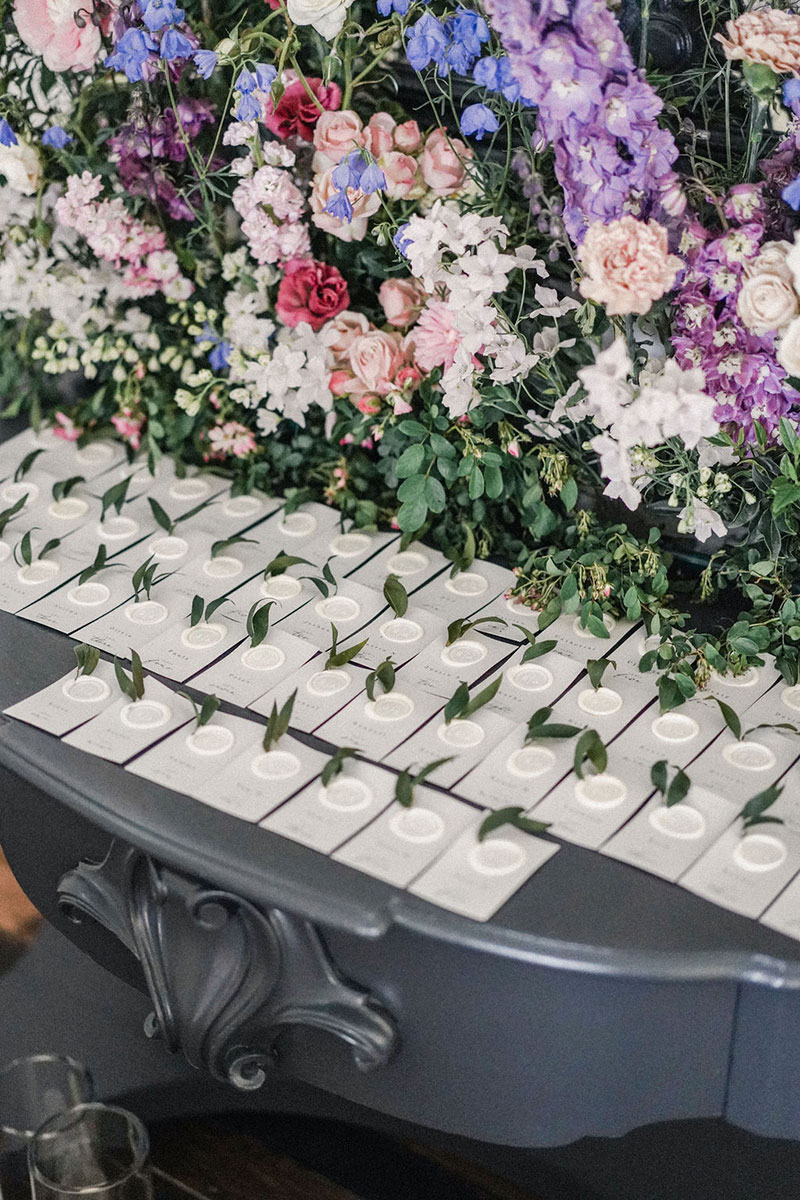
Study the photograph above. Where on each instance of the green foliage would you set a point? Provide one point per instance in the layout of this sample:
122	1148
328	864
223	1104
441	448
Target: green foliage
510	816
278	722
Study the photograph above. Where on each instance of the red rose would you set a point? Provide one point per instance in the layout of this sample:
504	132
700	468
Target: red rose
312	292
296	113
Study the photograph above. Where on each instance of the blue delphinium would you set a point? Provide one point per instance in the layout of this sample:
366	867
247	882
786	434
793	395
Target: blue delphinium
477	120
426	42
248	108
132	51
175	44
159	13
206	63
220	356
56	137
7	135
387	7
791	95
452	44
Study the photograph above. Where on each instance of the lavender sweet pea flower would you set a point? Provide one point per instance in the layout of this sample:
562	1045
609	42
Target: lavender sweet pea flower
339	206
159	13
373	179
427	42
246	82
220	356
206	63
349	172
791	194
132	52
248	108
791	95
477	120
7	135
266	75
175	44
56	137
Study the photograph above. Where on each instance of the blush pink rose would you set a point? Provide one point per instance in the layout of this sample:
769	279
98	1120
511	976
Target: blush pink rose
766	36
324	189
310	292
400	172
336	134
435	338
379	139
375	359
407	137
442	163
49	29
341	332
627	265
401	300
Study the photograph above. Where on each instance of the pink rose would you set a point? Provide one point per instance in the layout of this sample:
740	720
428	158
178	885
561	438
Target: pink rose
342	331
379	132
50	30
376	358
339	382
324	189
310	292
442	163
401	300
296	114
407	137
766	36
435	338
336	134
627	265
400	171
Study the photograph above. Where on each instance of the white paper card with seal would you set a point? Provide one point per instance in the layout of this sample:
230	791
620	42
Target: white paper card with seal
130	726
322	818
68	702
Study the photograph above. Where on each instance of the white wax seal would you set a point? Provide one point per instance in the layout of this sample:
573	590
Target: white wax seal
13	492
242	506
224	566
41	571
70	508
599	702
86	689
298	524
168	548
530	761
790	696
747	679
466	652
463	734
146	612
95	454
417	824
114	529
467	583
189	489
263	658
89	595
210	739
749	756
350	545
394	706
346	795
338	608
760	852
600	791
530	677
276	764
328	683
407	562
496	856
680	821
203	636
281	587
519	610
675	727
5	551
608	621
402	630
145	714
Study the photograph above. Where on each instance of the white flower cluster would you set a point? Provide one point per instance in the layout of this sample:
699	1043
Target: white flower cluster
668	404
285	381
460	258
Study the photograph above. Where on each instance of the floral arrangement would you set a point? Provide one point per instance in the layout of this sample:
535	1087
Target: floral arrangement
478	271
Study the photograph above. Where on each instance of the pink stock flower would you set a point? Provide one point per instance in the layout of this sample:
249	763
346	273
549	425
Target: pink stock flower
129	427
50	29
435	337
231	438
627	265
66	428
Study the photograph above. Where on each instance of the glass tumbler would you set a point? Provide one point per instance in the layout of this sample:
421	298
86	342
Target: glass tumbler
93	1151
33	1089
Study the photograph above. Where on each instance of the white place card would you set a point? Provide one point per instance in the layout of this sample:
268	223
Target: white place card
76	604
248	672
402	842
516	772
466	740
184	761
185	649
743	768
413	566
535	684
320	693
666	841
257	781
476	878
779	705
740	691
67	703
350	549
349	608
678	735
322	818
464	594
784	914
398	638
21	584
439	668
609	708
229	515
135	624
129	726
305	525
744	872
376	727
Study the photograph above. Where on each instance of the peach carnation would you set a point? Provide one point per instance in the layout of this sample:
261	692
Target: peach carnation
768	37
627	265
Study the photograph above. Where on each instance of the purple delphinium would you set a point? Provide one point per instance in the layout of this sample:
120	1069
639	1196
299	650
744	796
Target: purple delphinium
477	120
571	61
145	147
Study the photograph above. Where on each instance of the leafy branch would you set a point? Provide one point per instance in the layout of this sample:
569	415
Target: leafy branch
407	781
460	706
673	790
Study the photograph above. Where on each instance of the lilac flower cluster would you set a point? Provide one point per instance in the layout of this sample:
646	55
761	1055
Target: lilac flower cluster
137	48
571	60
358	171
742	373
145	145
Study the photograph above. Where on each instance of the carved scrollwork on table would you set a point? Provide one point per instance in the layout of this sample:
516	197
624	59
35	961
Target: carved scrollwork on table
225	976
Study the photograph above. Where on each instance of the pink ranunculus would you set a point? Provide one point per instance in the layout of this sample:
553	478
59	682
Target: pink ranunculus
435	338
442	163
324	189
375	359
340	333
400	172
295	114
66	428
407	137
401	300
627	265
336	134
310	292
378	134
49	28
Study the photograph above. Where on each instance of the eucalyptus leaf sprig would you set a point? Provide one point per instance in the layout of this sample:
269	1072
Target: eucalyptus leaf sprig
204	711
87	657
515	816
258	621
535	649
131	685
407	780
754	811
278	722
115	496
460	706
62	487
395	595
673	790
145	577
23	551
8	514
335	764
384	674
461	626
202	612
340	658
